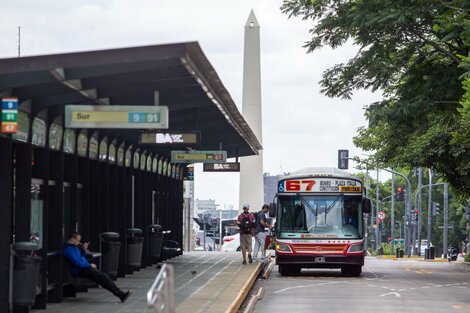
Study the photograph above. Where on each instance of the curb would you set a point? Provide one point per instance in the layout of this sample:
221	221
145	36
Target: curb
235	305
251	305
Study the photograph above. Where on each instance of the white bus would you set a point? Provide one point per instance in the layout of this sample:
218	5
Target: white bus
319	221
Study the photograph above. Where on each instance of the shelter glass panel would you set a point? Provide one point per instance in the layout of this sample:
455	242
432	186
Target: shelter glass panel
93	149
55	136
103	151
22	133
128	157
165	168
37	209
82	145
120	156
135	161
160	166
112	154
149	163
155	164
143	161
39	132
69	141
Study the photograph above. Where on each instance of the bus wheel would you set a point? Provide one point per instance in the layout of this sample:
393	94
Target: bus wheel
295	270
284	270
351	270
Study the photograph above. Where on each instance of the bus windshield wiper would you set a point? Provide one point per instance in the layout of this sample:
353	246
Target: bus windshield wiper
328	209
305	202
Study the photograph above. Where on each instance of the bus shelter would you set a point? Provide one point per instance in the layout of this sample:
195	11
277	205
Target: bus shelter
55	179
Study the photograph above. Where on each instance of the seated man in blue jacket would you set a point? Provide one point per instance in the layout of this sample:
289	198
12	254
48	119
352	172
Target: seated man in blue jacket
75	253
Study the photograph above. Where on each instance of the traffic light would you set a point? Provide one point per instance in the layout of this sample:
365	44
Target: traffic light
400	194
435	208
416	215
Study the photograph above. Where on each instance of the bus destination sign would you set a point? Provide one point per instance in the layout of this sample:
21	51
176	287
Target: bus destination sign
189	157
116	116
319	185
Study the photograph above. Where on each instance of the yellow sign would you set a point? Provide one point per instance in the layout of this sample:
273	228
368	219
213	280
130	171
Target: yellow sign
350	189
96	116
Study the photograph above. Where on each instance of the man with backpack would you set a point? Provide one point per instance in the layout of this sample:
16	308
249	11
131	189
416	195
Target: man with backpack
246	222
260	237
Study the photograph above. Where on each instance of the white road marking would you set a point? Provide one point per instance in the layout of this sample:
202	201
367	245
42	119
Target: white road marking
312	285
397	295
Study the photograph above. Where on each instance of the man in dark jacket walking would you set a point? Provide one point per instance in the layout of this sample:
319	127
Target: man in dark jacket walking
75	253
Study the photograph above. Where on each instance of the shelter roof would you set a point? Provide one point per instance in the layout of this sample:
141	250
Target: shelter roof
177	75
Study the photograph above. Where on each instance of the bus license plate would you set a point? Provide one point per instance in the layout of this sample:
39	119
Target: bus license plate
320	260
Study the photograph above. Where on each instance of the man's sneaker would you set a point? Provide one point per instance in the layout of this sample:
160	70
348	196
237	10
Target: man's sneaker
250	259
244	262
125	296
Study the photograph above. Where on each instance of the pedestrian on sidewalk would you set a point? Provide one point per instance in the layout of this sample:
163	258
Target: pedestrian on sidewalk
260	237
75	254
246	223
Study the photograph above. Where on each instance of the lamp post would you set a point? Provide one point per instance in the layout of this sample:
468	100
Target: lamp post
407	211
445	219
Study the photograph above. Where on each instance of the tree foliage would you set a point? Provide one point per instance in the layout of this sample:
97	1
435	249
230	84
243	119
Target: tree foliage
415	53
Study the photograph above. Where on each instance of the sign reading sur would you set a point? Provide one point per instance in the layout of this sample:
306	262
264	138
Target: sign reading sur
9	115
116	116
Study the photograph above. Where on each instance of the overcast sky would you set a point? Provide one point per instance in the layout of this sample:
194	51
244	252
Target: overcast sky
301	127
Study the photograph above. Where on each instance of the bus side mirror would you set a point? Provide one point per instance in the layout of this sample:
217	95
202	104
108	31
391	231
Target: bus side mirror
272	209
366	205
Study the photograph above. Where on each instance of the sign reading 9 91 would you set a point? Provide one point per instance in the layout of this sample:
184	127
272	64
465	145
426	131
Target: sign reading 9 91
320	185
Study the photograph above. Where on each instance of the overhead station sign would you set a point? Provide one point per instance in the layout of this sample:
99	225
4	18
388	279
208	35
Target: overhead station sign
198	157
222	167
116	116
9	115
170	138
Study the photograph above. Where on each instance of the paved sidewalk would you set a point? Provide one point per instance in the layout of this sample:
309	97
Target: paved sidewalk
219	283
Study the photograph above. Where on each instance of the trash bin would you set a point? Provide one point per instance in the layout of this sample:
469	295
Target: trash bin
110	245
135	242
25	273
431	253
400	253
155	241
380	251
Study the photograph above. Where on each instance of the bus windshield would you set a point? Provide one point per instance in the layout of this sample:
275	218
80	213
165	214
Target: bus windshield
331	216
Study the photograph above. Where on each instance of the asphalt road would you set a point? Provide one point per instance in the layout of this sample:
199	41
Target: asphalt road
384	286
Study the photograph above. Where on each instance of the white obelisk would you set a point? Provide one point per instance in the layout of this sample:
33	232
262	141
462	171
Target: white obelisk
251	171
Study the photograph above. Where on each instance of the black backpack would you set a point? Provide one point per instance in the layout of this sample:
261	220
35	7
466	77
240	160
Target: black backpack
245	225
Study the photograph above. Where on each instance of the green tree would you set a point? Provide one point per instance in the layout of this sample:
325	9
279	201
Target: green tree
412	51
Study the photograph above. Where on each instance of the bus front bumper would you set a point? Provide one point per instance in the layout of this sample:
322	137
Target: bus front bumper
319	261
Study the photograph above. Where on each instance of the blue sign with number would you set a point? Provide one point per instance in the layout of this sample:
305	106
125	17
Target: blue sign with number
9	104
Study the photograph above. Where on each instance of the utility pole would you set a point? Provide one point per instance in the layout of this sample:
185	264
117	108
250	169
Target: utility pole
420	207
446	217
429	221
392	225
377	222
367	191
406	216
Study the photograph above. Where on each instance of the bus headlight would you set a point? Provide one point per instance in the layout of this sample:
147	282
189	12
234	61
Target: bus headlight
356	248
283	247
